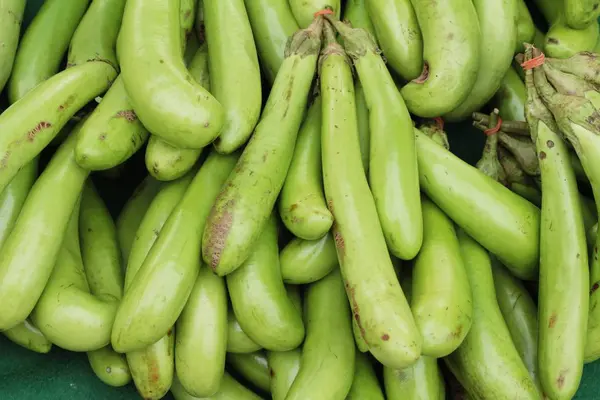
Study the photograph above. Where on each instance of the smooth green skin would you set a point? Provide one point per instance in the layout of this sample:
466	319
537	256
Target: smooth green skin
259	299
68	313
11	11
451	48
254	367
237	340
102	263
525	26
104	276
43	46
28	336
161	287
399	35
234	70
328	354
96	35
441	297
362	119
377	301
511	97
161	207
153	368
520	314
31	249
112	133
230	390
99	245
487	364
355	12
579	14
563	41
393	175
589	160
29	125
507	225
133	213
13	198
422	380
365	385
497	24
201	340
272	24
164	161
563	292
302	202
283	368
592	348
164	96
110	367
307	261
304	10
246	200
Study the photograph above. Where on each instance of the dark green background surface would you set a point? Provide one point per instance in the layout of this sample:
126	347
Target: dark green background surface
25	375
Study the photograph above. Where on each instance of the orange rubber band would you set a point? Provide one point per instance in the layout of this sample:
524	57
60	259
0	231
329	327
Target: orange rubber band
325	11
439	122
534	62
495	129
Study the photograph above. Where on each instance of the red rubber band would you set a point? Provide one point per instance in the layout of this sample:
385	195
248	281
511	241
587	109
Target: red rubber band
534	62
439	122
325	11
495	129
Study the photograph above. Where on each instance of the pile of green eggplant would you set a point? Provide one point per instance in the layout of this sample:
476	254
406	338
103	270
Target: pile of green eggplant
300	228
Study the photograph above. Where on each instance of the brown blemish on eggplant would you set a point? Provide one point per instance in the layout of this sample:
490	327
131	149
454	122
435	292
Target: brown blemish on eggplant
355	309
457	332
68	102
102	137
128	115
552	321
339	243
385	337
219	230
4	159
271	372
552	40
330	206
293	207
424	74
542	155
38	128
560	381
550	144
594	288
170	332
